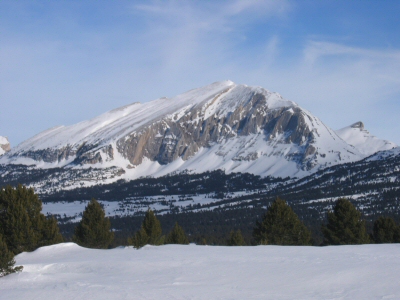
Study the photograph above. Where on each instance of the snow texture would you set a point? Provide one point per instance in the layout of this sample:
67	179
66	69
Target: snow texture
67	271
3	140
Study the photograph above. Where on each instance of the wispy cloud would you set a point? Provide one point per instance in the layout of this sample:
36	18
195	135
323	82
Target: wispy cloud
315	50
151	49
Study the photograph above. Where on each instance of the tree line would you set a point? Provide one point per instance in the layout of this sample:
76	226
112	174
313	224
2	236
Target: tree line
24	228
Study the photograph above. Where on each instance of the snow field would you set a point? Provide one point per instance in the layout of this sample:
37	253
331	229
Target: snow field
67	271
128	207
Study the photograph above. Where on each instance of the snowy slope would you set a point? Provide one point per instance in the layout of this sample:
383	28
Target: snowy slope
381	155
67	271
357	136
224	125
119	122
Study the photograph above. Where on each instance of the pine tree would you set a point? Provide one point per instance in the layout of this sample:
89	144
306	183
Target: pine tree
22	224
152	226
177	236
236	239
149	233
386	231
281	226
50	232
139	239
7	260
345	226
93	231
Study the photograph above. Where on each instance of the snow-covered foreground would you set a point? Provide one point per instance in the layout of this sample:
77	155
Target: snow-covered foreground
67	271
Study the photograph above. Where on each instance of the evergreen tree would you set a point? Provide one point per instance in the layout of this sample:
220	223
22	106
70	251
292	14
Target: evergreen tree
50	232
281	226
93	231
236	239
152	226
345	226
22	224
149	233
385	231
7	260
139	239
177	236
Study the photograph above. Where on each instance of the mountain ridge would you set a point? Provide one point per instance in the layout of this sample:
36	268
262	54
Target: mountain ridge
235	128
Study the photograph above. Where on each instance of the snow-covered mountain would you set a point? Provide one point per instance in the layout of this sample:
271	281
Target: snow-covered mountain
4	145
224	125
357	136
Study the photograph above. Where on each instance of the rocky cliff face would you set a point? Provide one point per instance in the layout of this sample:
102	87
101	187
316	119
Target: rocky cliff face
174	137
4	145
221	126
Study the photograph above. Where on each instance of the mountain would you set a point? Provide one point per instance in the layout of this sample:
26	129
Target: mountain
216	156
224	126
357	136
4	145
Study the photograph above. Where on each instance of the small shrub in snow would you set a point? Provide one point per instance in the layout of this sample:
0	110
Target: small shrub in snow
177	236
236	239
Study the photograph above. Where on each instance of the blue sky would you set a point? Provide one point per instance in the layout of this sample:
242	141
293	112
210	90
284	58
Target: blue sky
62	62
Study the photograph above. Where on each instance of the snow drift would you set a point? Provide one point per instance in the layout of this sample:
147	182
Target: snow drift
67	271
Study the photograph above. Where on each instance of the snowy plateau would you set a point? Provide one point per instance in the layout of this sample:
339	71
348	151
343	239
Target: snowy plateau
67	271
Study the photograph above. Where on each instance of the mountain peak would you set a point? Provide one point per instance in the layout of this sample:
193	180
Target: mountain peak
357	136
359	125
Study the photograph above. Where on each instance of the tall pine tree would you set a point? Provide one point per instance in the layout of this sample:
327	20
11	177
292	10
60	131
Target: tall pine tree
94	230
149	233
23	226
345	226
281	226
